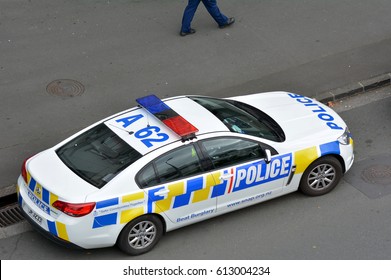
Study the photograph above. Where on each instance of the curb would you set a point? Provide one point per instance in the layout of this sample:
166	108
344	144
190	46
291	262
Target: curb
15	229
355	88
8	190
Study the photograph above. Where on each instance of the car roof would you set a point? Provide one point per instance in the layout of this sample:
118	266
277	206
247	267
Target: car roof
144	132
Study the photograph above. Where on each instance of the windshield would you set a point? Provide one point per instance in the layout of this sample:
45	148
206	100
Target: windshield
242	118
97	155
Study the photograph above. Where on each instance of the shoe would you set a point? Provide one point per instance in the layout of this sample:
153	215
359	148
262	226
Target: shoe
192	31
230	21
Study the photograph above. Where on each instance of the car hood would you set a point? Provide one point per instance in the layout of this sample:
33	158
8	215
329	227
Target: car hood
300	117
54	176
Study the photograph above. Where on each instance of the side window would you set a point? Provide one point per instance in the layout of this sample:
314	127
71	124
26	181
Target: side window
232	151
180	163
147	177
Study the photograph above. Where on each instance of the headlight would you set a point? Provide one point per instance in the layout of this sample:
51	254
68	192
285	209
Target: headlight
344	139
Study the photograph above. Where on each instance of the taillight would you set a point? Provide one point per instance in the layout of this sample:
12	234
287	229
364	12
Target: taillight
24	170
74	209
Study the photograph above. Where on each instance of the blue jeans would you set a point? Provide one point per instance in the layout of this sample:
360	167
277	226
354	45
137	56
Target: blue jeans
212	8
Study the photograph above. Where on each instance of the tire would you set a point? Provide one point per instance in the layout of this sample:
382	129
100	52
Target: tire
140	235
321	176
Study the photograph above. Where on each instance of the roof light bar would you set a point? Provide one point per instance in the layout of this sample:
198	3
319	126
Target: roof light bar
168	116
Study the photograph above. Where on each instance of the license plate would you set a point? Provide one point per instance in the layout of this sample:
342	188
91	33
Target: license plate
37	218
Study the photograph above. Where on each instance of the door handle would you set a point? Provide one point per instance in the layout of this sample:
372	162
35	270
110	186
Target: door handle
162	192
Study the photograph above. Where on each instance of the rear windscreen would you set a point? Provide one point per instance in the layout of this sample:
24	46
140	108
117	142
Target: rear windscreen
97	155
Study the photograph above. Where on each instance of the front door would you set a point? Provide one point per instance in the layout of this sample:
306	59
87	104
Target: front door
244	176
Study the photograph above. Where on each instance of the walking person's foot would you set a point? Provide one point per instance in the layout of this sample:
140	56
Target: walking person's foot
192	31
229	22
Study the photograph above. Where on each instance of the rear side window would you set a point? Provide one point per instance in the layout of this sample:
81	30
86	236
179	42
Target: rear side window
175	165
97	155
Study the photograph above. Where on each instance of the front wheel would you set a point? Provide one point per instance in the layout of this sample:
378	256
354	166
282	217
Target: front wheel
321	176
140	235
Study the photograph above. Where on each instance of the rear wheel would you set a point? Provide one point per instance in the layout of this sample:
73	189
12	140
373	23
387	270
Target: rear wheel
140	235
321	176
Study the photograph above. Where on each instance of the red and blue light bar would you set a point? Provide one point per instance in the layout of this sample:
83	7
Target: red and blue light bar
168	116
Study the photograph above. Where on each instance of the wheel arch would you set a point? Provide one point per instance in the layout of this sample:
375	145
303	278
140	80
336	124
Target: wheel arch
321	187
144	215
141	234
162	220
338	157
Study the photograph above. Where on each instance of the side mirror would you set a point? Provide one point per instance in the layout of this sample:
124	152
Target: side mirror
268	156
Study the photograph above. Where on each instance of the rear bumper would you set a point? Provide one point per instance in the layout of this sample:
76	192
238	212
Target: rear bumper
42	223
47	234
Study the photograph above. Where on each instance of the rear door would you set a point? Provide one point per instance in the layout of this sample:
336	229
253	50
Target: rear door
177	184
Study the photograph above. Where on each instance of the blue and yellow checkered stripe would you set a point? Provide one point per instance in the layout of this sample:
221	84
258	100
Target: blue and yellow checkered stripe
190	191
40	192
303	158
54	227
179	194
116	217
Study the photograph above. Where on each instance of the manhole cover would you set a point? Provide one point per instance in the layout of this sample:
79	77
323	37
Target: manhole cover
65	88
371	176
377	174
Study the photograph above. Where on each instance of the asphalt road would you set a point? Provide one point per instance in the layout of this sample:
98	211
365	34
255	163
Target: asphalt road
120	50
352	222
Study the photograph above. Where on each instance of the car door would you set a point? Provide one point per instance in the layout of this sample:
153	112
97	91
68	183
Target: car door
177	184
245	176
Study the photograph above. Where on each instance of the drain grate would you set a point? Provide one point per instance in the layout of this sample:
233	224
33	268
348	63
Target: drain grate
10	215
65	88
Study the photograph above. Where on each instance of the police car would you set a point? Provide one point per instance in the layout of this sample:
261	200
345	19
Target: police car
162	165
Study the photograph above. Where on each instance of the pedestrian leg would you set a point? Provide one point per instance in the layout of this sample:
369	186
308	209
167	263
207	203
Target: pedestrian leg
214	11
188	15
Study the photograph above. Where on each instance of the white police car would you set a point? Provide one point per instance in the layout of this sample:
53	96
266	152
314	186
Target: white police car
130	178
